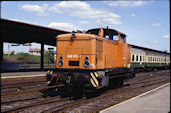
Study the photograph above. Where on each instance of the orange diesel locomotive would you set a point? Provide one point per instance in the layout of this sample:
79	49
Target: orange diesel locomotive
95	59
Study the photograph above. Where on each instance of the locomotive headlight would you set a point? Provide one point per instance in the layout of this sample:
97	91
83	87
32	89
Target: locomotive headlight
60	58
86	58
86	62
60	62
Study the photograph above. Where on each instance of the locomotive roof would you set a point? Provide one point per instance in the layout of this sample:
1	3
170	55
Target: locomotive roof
96	30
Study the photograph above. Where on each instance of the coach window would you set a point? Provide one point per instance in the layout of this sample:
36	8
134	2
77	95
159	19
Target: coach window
140	58
132	57
137	58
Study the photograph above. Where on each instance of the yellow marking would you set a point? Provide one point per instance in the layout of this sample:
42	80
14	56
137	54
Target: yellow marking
96	74
94	78
25	76
92	82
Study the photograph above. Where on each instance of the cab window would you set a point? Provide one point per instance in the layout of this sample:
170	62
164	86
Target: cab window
123	37
115	37
107	36
111	36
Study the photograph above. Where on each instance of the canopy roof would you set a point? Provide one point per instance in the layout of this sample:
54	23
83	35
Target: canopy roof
20	32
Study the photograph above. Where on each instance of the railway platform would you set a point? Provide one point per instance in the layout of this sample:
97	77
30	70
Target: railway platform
23	74
154	101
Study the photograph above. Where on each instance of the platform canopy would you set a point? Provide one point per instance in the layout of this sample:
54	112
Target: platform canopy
19	32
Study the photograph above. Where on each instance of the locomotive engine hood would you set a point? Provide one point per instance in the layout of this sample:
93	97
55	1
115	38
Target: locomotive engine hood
76	51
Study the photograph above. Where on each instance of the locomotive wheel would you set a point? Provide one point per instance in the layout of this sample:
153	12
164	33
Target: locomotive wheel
78	92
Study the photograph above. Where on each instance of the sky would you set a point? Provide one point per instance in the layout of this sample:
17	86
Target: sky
146	23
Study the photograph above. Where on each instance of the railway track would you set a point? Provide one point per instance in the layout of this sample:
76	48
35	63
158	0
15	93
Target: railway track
21	88
109	99
105	98
30	94
146	78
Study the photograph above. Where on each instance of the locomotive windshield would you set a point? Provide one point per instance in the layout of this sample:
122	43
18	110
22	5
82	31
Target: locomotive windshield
112	35
108	33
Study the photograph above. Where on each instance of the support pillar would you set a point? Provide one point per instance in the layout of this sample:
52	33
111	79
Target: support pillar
42	56
1	58
1	51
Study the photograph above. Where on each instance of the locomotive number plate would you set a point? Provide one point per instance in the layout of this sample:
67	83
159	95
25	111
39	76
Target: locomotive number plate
72	56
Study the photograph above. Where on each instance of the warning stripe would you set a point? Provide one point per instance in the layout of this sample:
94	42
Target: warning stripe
96	74
94	79
92	82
